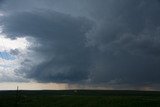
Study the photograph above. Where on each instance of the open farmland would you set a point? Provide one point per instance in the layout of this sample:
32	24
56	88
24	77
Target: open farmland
79	98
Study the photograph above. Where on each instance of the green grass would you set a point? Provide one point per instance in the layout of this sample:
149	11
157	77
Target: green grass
81	98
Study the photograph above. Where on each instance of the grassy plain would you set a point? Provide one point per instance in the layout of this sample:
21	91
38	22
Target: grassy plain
79	98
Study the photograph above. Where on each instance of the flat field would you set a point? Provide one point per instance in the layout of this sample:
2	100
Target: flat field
79	98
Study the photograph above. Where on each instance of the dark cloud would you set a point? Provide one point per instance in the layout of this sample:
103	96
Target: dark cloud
62	40
119	45
127	39
14	52
1	2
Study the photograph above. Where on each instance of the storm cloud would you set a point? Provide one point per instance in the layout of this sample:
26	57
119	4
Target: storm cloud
62	43
91	41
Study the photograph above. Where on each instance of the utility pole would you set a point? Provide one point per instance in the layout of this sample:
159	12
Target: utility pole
17	89
17	97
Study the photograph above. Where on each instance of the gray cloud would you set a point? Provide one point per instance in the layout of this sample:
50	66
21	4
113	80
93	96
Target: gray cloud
62	39
119	45
14	52
127	41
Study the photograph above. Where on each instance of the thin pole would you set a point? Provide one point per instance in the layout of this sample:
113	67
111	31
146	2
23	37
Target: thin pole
17	88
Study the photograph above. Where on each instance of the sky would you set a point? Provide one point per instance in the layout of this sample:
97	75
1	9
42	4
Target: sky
83	44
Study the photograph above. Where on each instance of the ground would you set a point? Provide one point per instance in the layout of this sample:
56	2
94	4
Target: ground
79	98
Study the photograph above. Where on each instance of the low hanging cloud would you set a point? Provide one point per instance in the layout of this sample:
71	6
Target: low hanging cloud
106	41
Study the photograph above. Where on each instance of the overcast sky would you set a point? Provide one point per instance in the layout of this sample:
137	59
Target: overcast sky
81	43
